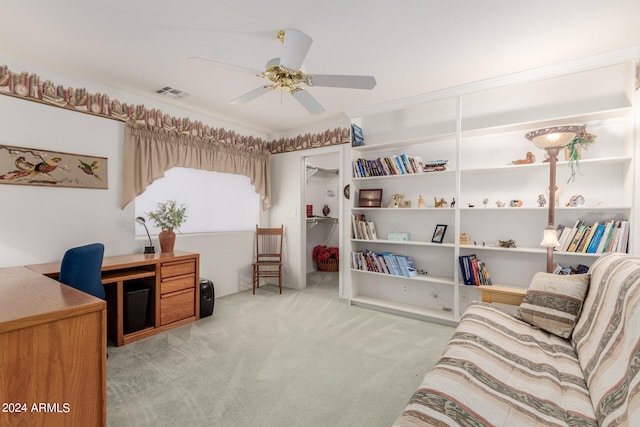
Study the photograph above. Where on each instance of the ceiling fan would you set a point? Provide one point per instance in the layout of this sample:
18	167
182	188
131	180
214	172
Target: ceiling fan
285	73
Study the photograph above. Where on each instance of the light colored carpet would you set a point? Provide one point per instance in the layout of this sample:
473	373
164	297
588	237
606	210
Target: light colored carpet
303	358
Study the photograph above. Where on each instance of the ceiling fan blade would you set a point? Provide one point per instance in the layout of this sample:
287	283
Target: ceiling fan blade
308	101
352	82
249	96
294	49
246	70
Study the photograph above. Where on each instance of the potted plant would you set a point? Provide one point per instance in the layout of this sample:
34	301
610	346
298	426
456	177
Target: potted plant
167	216
327	258
573	151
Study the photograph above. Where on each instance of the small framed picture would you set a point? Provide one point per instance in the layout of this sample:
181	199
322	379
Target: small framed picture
438	234
370	198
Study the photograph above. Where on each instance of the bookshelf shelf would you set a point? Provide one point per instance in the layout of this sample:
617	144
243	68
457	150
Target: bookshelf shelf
405	243
529	250
422	176
405	144
421	278
560	165
479	133
432	314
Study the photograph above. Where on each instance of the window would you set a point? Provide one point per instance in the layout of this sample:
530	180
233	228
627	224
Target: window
215	201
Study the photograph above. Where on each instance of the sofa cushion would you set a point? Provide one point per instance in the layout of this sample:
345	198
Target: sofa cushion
498	370
553	302
607	339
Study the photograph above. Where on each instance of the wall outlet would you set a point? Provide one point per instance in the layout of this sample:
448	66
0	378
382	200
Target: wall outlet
463	298
405	289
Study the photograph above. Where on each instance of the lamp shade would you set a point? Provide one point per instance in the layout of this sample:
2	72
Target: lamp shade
550	238
554	137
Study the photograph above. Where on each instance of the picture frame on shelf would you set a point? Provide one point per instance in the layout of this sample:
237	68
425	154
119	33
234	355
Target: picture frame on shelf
438	233
370	198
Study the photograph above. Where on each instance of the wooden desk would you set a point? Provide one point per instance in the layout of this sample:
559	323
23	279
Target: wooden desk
173	282
52	353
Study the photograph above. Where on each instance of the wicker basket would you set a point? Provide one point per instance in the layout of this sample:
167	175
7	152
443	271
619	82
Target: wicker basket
329	265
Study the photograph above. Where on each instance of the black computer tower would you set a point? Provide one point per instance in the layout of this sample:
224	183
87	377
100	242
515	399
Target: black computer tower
207	297
136	300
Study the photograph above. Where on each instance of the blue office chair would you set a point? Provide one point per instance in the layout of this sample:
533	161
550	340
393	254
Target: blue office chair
81	269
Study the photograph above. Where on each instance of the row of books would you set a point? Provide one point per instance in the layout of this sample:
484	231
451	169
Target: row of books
392	165
474	271
396	165
361	228
597	238
384	262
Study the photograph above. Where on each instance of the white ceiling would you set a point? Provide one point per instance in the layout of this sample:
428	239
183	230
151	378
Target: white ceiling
411	46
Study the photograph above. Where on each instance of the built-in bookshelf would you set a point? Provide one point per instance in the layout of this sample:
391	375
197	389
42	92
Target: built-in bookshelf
451	157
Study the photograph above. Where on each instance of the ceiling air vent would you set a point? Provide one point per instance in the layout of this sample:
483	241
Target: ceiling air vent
171	92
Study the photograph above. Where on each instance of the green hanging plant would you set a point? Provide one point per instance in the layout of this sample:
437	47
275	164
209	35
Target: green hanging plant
582	141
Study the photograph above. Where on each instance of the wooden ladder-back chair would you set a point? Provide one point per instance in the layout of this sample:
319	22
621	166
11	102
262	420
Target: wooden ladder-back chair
268	262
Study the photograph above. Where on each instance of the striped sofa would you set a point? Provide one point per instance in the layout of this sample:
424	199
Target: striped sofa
499	370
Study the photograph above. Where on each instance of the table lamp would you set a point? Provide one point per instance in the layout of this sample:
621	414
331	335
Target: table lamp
147	249
552	139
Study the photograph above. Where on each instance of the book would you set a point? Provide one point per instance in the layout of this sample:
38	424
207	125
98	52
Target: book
467	268
624	241
587	240
571	236
595	240
357	138
583	239
563	237
371	228
576	238
604	238
608	236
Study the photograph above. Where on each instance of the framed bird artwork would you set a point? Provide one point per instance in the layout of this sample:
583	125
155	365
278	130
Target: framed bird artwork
33	166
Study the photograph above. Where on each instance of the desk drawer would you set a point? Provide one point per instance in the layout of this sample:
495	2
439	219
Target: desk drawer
177	268
177	305
177	284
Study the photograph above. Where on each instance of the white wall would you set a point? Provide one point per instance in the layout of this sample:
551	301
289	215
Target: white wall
37	224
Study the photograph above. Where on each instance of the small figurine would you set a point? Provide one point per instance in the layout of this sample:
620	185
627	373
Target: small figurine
396	201
485	201
500	204
439	203
453	202
530	158
507	243
542	201
575	201
515	203
420	201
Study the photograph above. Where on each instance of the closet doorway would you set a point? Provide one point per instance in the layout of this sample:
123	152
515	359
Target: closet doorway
322	205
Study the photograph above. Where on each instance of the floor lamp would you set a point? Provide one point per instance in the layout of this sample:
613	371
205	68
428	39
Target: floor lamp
552	140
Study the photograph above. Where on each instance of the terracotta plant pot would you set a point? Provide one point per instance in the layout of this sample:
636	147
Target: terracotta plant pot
167	239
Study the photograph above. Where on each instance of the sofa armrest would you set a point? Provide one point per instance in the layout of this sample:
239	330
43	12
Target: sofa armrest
502	295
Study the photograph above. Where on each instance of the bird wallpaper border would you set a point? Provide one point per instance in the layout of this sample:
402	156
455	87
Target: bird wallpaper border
33	166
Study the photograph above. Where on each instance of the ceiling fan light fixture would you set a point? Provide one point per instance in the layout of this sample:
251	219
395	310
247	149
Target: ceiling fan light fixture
287	74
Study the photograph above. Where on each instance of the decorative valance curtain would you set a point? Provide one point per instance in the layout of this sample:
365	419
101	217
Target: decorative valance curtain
150	151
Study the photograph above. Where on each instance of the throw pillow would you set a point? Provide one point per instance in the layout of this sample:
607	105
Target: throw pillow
553	302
